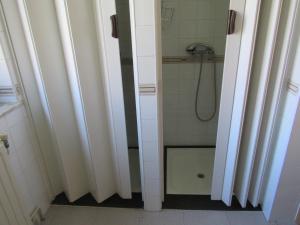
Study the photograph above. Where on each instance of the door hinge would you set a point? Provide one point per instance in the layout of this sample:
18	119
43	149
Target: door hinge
231	21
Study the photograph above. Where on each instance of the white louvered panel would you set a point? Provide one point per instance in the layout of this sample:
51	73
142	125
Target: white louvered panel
251	16
259	84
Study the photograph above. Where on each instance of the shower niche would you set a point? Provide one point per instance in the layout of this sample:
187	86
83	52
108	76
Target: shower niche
193	47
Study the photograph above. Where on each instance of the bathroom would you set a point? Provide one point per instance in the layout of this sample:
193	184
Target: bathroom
153	104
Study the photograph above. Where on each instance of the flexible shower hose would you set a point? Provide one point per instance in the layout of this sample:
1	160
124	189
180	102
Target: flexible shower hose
199	117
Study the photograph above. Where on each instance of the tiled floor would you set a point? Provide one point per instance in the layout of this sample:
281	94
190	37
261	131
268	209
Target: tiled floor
74	215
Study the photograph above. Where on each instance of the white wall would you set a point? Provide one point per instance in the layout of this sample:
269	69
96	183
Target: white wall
192	22
181	126
147	55
23	154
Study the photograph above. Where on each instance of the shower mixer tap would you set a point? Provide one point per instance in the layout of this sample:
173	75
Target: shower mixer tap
199	49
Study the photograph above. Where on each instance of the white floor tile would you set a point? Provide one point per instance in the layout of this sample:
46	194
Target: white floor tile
70	215
73	215
166	217
110	216
246	218
205	218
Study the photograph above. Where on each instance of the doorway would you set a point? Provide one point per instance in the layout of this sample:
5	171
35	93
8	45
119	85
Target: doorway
209	85
193	42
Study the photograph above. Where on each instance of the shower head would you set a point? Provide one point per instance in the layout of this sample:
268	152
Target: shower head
199	49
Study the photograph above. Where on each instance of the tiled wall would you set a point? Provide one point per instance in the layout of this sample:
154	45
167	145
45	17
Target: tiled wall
146	53
23	159
193	21
181	126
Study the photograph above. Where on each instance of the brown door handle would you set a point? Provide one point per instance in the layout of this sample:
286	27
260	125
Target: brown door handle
114	24
231	21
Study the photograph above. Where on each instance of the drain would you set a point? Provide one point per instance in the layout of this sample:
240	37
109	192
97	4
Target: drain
201	175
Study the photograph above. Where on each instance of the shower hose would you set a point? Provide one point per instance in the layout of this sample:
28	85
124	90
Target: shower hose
210	117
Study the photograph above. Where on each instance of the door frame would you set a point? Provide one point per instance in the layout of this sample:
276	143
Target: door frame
233	102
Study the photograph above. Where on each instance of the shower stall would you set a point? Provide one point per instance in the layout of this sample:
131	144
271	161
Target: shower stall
193	45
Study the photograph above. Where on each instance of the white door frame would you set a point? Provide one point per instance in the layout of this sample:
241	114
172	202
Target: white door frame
234	97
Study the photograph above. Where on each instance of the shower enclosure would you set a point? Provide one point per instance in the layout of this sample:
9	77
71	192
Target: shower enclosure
193	43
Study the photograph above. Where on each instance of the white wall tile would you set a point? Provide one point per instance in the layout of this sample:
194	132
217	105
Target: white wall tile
150	151
170	47
195	21
148	105
144	12
206	9
152	186
188	29
188	10
147	70
145	39
221	9
149	130
151	171
180	124
205	28
146	47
